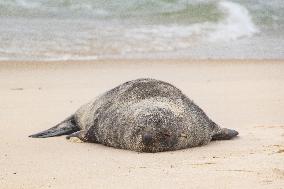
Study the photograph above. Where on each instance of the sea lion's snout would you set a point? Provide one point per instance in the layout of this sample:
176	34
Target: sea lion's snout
152	142
147	139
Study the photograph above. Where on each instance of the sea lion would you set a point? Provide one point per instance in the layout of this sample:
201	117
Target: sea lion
143	115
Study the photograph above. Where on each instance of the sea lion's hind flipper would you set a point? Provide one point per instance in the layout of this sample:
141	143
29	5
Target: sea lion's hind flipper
66	127
225	134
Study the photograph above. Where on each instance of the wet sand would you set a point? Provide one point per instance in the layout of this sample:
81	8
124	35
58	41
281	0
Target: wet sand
244	95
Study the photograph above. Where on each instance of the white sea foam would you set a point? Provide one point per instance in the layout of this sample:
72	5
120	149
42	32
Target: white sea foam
236	24
27	4
70	57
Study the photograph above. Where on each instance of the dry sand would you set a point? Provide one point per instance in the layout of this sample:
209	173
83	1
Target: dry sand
245	95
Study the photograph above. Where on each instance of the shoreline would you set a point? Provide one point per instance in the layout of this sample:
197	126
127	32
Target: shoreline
145	59
68	63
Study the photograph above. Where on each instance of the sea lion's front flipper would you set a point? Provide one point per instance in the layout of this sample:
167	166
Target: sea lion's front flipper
225	134
81	135
66	127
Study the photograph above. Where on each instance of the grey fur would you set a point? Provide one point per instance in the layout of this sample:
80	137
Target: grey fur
144	115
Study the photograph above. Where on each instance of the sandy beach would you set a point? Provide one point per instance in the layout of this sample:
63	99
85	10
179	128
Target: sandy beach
244	95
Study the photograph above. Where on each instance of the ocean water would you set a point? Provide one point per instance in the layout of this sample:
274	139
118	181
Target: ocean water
50	30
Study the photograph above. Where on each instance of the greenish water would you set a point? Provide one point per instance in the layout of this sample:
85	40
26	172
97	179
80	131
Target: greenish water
96	29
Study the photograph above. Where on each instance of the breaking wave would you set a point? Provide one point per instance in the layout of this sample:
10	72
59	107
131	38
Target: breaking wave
91	29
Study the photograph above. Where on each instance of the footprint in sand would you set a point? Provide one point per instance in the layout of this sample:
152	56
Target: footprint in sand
278	172
17	89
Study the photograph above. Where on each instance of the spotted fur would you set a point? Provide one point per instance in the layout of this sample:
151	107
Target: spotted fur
144	115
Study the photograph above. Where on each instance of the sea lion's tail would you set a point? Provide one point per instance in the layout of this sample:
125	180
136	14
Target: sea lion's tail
65	127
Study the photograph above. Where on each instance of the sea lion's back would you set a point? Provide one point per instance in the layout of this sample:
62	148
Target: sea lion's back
144	88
